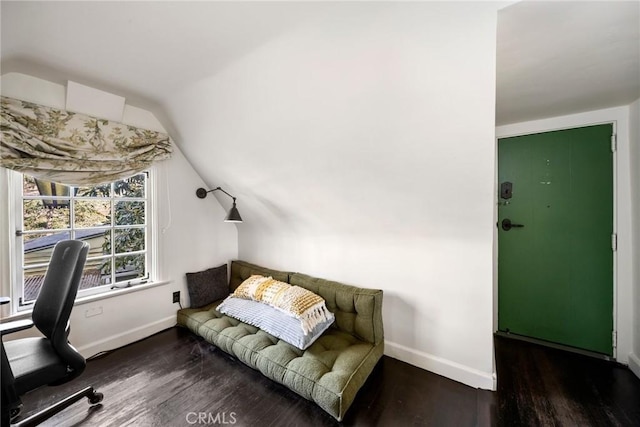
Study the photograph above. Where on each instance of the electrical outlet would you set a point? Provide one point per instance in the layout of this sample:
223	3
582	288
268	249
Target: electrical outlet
93	311
176	296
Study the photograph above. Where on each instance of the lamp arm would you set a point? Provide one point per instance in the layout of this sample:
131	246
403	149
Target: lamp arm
202	193
220	188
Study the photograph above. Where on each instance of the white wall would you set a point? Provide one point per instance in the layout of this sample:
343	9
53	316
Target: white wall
191	236
634	138
626	257
360	146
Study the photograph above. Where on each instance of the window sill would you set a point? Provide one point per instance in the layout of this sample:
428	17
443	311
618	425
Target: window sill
92	298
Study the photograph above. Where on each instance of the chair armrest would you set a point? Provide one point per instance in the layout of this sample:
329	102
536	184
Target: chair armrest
15	326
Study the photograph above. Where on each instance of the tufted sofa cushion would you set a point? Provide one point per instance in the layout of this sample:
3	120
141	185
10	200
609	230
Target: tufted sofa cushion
332	370
357	310
329	372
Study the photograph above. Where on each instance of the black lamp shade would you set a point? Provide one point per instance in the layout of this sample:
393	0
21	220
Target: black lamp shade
233	215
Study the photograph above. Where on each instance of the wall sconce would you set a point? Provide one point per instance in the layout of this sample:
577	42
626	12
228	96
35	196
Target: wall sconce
233	215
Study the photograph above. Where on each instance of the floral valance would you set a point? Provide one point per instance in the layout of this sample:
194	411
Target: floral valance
72	148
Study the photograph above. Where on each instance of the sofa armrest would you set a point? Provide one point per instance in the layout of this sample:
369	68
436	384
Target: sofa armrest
358	311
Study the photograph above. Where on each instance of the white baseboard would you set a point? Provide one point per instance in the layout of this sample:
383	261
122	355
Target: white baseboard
127	337
452	370
634	364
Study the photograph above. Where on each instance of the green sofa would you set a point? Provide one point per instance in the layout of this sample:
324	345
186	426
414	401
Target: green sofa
332	370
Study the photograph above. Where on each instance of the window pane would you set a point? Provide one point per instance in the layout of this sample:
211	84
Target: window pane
38	187
129	240
96	273
129	213
111	218
33	280
38	247
105	266
95	191
91	213
130	267
29	187
98	239
38	217
131	187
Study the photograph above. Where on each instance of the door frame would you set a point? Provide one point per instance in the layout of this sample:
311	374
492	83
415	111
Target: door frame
622	221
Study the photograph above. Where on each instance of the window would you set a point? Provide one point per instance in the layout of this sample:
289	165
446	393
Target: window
113	218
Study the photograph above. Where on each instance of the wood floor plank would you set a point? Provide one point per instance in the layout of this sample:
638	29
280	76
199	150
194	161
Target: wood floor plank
159	381
544	386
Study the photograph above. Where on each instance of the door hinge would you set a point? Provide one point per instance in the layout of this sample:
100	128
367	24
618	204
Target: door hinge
614	339
614	143
614	242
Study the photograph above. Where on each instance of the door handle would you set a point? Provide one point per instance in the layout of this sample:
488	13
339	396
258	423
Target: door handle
508	225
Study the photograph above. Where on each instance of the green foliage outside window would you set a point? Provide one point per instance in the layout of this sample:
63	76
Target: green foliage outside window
126	213
96	213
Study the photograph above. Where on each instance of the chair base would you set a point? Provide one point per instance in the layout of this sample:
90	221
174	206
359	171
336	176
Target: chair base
35	419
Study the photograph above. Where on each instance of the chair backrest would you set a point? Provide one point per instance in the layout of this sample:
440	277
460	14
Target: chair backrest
54	303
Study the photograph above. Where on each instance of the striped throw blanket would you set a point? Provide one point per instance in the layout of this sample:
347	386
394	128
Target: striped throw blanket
295	301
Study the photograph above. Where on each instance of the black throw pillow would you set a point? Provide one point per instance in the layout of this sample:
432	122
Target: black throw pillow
207	286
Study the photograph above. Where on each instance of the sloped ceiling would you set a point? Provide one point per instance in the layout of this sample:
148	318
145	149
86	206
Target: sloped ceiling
172	57
146	51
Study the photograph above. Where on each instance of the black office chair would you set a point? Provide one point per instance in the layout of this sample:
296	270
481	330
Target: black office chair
30	363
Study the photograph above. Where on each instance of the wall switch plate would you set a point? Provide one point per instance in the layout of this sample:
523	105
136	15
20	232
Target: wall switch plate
176	296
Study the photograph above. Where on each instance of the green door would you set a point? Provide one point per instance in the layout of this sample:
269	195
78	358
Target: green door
555	225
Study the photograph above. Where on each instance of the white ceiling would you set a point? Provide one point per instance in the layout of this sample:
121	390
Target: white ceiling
553	58
558	58
145	51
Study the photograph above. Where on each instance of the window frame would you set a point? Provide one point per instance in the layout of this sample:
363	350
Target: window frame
14	211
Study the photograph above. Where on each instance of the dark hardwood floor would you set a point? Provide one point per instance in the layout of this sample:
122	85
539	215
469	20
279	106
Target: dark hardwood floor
161	380
542	386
